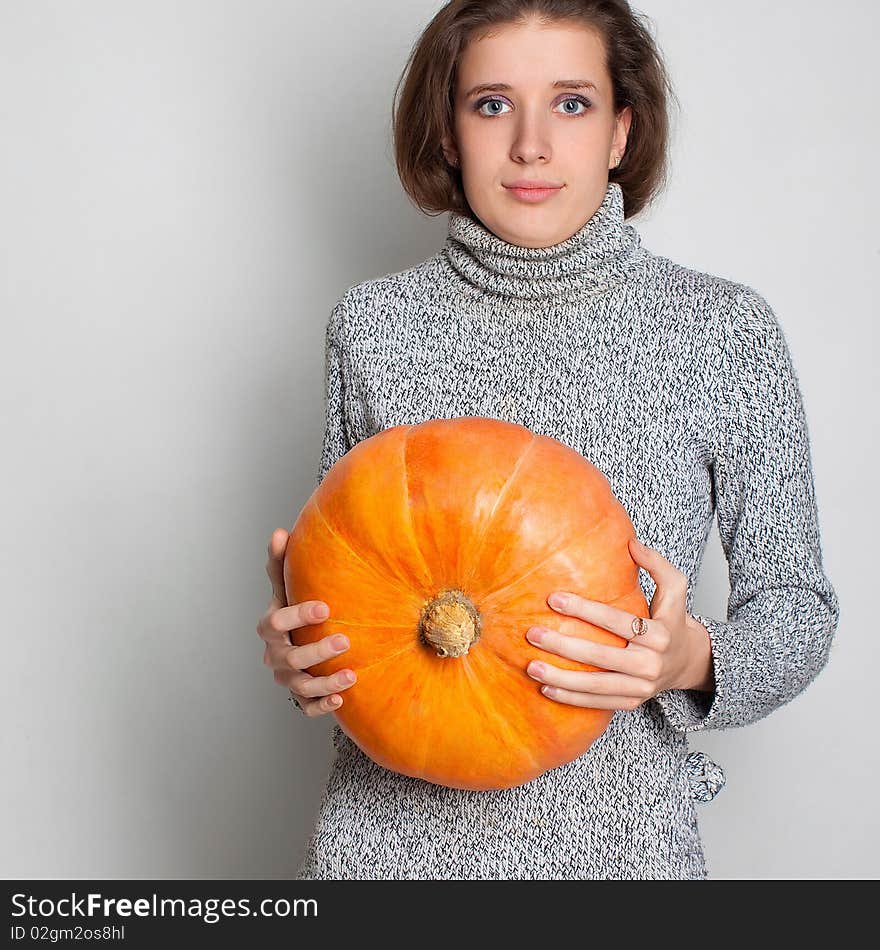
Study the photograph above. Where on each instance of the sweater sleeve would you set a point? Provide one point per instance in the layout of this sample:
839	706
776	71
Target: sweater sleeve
782	611
335	442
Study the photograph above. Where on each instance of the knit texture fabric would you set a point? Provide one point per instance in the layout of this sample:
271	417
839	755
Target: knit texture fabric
679	386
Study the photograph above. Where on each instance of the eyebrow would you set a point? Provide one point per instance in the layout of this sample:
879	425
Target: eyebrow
505	87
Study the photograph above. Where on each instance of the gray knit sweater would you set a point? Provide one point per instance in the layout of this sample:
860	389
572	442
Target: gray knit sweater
679	386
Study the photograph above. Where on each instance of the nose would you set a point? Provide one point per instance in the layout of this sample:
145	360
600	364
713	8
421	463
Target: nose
531	141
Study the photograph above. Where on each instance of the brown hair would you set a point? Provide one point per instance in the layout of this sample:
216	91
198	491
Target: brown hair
423	113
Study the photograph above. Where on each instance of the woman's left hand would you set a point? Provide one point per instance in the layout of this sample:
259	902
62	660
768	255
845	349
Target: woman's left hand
674	652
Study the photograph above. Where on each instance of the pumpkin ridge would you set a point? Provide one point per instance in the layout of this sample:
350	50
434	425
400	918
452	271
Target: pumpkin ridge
373	679
480	542
408	506
486	643
382	577
383	659
506	732
552	554
385	626
435	723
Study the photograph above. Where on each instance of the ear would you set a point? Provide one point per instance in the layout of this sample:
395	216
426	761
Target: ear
450	152
621	129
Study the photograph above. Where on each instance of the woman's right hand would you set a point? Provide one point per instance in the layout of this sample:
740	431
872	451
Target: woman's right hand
316	694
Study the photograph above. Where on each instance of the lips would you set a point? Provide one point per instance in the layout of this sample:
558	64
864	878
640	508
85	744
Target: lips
532	191
538	184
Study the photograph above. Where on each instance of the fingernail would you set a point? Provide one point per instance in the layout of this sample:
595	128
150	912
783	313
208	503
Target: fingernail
320	611
340	643
536	635
558	600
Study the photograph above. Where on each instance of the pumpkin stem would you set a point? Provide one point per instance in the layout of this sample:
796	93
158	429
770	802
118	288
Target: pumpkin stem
450	623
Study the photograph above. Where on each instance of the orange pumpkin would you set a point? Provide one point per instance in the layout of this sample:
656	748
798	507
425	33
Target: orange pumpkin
436	546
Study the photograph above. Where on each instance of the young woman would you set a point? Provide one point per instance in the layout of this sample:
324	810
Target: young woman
540	127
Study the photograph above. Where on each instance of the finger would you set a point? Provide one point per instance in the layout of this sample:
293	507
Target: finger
286	658
671	584
632	660
318	707
592	700
311	687
610	618
298	615
276	622
599	683
275	565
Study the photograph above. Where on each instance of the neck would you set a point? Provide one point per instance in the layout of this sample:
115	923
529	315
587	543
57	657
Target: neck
598	256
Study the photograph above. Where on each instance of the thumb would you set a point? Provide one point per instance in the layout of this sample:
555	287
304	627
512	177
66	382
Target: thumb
670	584
641	552
275	565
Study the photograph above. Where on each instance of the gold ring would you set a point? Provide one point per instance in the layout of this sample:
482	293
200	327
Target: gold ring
639	626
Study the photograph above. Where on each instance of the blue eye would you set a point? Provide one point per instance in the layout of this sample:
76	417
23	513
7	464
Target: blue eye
496	99
485	102
578	99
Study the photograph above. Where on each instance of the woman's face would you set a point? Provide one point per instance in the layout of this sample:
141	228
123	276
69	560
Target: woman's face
534	129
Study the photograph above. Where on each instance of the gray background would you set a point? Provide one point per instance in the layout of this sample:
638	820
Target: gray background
186	188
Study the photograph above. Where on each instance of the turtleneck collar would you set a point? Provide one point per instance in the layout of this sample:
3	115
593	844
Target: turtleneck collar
594	258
